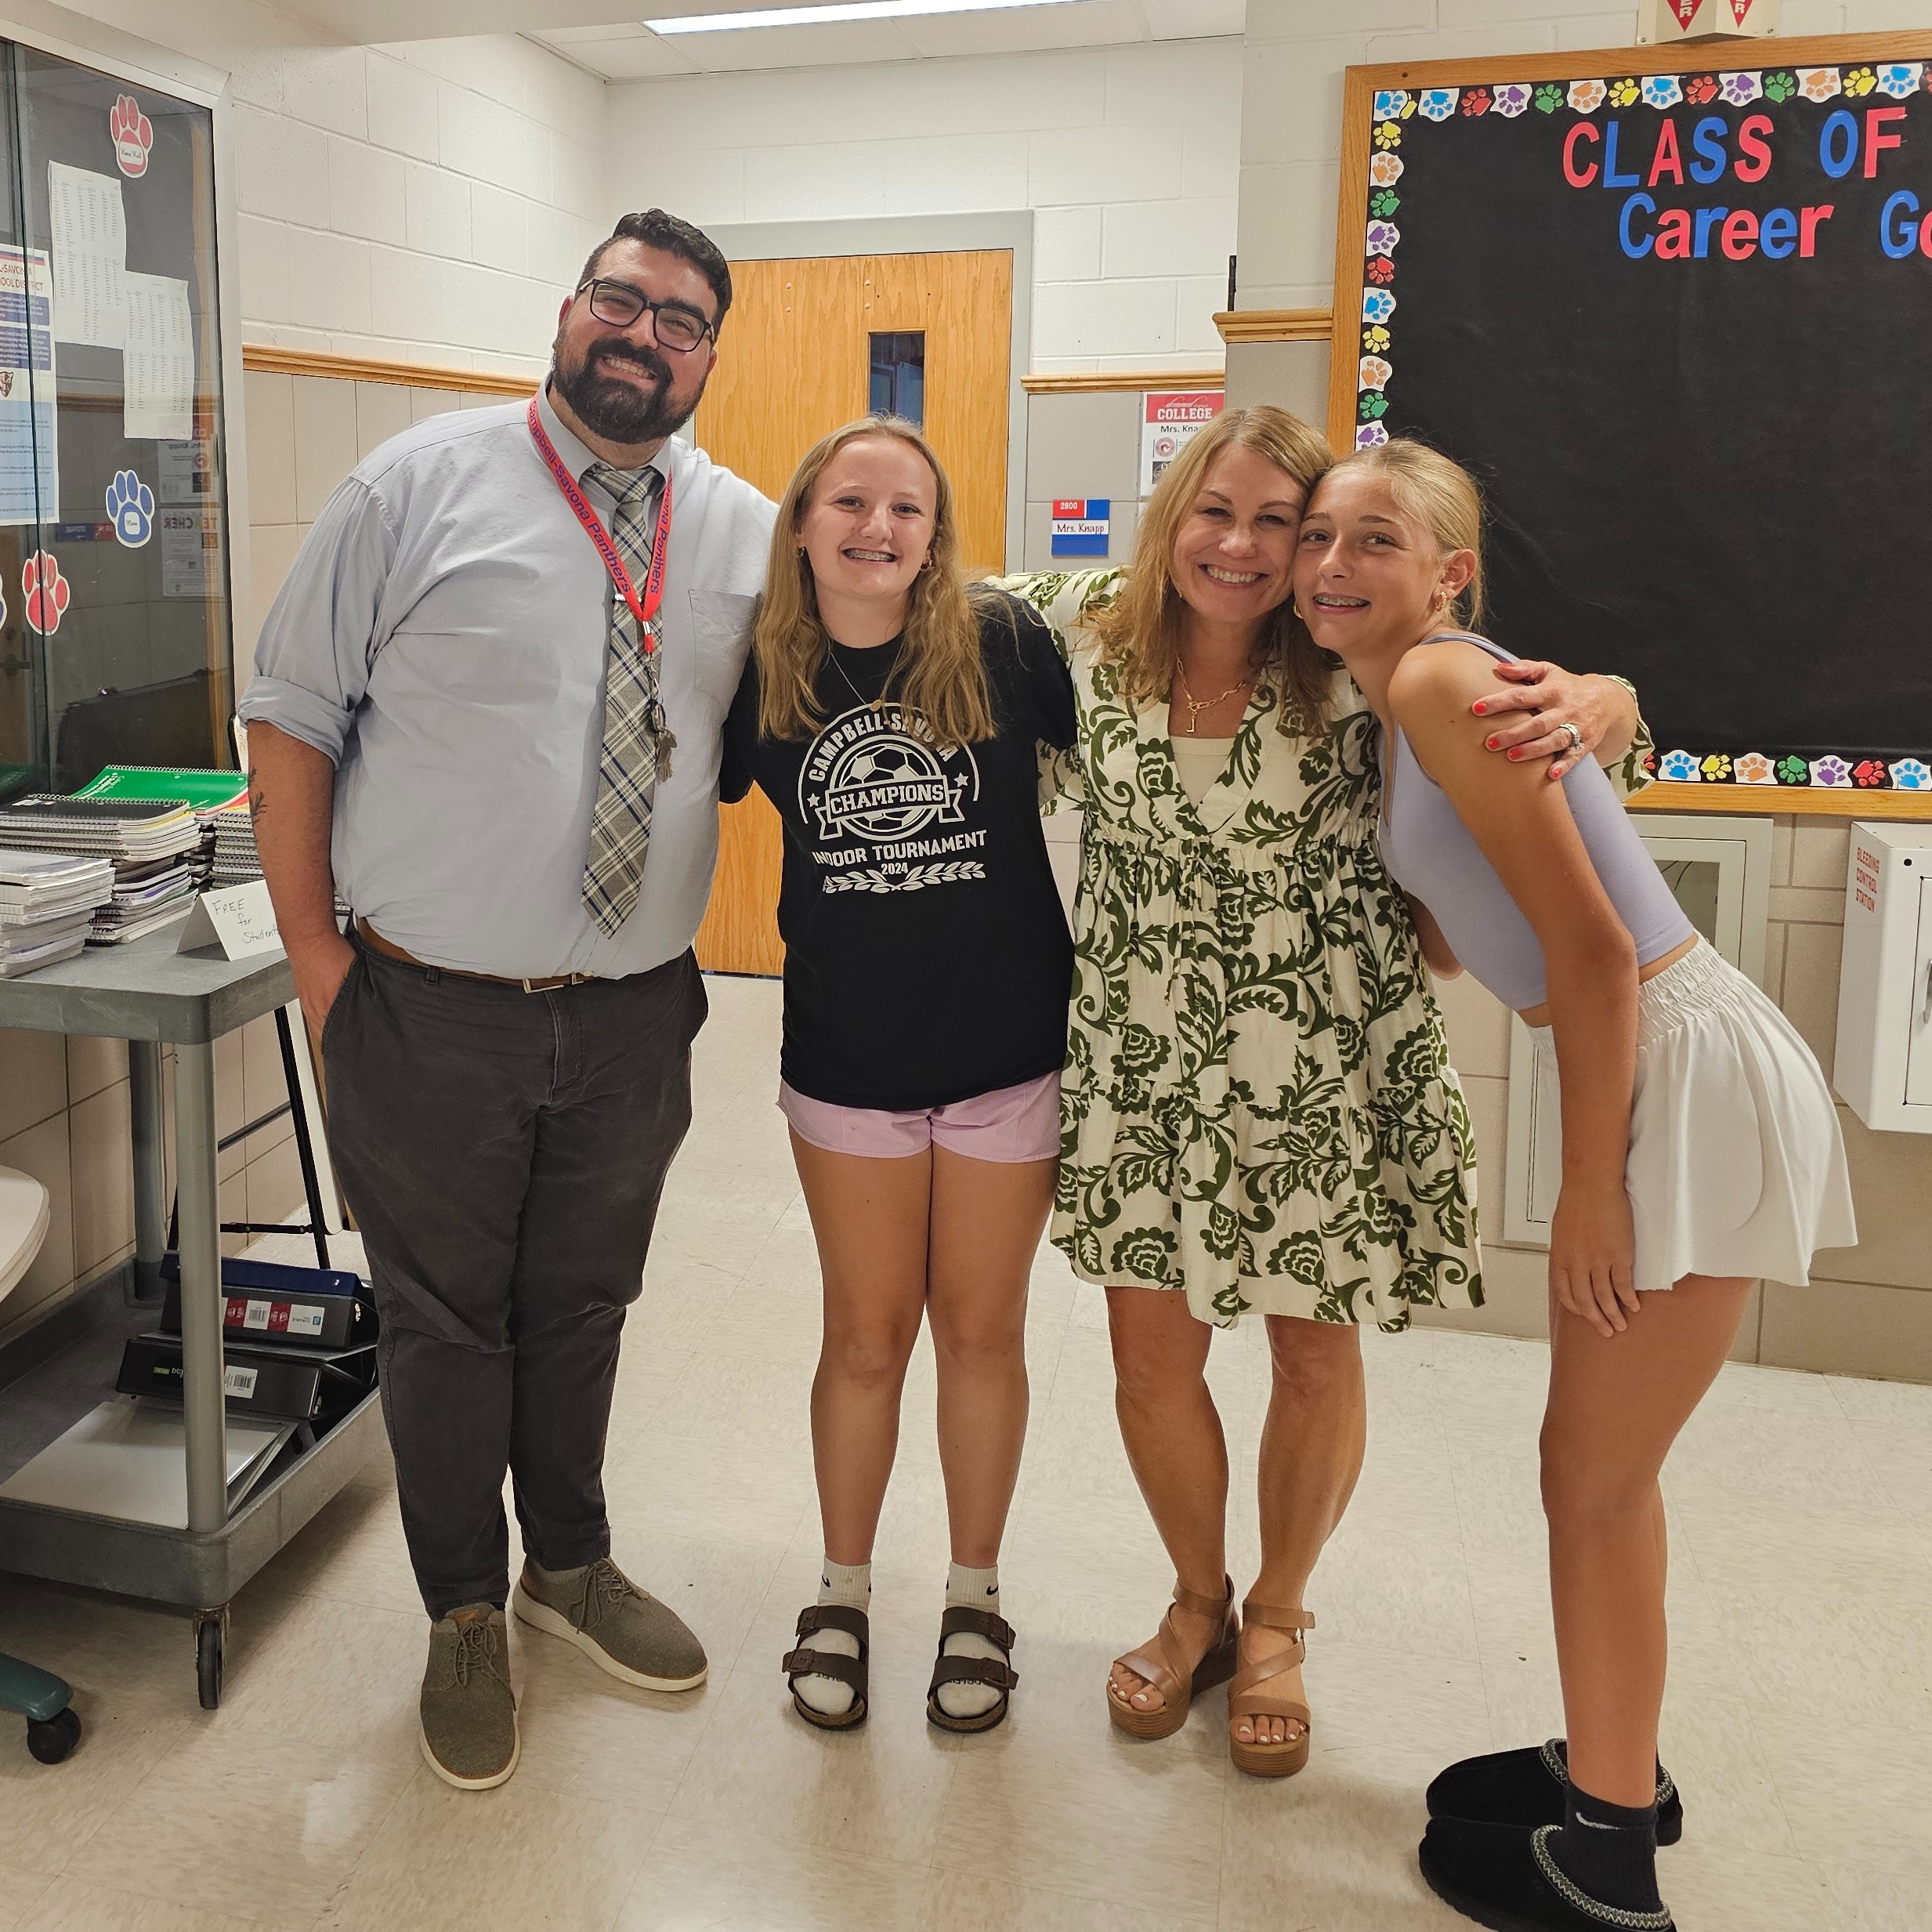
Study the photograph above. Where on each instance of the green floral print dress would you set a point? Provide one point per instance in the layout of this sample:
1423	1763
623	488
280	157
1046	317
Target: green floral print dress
1258	1105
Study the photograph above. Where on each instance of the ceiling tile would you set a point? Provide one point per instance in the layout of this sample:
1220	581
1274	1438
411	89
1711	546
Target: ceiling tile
1024	29
839	43
1195	20
645	58
567	36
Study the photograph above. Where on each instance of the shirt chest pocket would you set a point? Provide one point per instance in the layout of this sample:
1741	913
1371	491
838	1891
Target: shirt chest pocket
721	638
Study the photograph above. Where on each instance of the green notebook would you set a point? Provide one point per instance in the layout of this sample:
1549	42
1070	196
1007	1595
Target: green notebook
203	790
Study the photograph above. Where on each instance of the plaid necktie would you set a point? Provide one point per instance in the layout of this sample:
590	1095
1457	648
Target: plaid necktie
637	745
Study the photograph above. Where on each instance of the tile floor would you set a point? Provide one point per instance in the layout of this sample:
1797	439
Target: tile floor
1800	1721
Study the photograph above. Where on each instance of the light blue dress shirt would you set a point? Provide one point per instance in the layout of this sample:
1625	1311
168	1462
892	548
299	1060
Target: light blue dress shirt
441	635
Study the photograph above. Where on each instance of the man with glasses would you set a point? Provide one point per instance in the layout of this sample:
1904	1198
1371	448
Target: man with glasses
487	713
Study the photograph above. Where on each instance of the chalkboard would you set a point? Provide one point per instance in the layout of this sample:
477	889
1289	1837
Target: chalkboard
1677	319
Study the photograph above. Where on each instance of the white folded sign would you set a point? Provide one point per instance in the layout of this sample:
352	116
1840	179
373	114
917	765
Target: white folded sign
240	919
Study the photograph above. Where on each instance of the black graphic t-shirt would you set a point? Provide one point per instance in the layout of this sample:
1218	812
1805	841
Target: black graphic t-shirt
927	957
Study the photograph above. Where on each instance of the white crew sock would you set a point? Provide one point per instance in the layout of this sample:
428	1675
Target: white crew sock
851	1584
978	1590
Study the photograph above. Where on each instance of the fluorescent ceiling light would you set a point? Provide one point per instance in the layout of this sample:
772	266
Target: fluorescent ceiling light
852	10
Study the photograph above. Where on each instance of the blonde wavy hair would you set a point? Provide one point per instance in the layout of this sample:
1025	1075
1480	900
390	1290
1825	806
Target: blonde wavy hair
940	674
1139	634
1442	497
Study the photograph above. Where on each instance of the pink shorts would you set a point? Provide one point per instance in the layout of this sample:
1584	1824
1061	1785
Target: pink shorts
1014	1123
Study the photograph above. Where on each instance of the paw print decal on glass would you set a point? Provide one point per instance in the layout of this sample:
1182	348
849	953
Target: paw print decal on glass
1753	768
130	509
132	134
1740	88
1677	768
47	592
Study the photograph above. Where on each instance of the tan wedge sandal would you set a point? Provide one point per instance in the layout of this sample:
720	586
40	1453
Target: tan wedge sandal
1162	1664
1246	1699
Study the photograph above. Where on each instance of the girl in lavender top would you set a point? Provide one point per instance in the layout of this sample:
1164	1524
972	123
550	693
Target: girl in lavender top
1701	1151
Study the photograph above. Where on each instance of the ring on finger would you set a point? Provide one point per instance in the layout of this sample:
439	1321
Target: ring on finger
1575	737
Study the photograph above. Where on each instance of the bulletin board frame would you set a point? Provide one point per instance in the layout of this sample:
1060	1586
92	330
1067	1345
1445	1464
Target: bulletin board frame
1363	83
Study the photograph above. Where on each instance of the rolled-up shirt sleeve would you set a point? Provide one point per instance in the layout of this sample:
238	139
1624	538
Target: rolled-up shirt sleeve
311	661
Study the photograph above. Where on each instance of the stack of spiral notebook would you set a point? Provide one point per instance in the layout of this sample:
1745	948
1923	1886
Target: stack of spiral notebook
153	845
236	858
48	901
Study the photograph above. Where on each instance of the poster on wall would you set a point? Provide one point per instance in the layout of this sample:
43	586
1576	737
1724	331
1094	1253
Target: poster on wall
188	471
1170	420
28	446
90	256
191	552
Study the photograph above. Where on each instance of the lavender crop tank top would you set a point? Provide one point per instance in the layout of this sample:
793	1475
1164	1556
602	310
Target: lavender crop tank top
1430	851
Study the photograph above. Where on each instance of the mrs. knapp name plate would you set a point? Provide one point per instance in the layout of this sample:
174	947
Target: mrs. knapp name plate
240	919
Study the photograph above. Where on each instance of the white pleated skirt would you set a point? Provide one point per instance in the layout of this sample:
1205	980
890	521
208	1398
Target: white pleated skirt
1736	1165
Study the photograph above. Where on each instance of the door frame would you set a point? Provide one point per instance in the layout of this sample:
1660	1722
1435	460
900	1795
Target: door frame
924	234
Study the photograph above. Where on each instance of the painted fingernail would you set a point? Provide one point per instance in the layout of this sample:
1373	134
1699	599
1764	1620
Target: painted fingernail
1513	753
1479	708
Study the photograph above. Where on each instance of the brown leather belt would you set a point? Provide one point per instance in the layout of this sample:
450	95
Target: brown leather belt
376	943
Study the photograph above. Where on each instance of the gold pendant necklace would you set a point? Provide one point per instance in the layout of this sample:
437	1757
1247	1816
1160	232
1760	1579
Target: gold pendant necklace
1196	706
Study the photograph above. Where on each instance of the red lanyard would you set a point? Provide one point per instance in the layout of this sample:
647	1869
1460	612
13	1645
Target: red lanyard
643	609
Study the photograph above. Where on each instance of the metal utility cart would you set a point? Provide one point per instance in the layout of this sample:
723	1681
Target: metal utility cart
149	995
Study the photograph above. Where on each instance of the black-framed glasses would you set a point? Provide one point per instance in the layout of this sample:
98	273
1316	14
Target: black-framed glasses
619	304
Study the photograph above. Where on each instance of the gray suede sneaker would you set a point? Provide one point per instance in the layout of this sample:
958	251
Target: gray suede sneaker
468	1711
613	1622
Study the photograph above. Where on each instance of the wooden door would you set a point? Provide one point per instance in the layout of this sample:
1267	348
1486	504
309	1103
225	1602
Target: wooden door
795	363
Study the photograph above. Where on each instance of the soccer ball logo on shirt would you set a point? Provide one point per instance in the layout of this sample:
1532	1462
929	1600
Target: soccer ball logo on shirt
871	774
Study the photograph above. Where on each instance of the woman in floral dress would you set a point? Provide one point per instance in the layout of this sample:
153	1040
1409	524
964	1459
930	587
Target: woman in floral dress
1258	1114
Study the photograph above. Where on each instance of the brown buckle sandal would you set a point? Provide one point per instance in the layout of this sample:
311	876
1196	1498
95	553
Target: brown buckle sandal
963	1620
1246	1699
1162	1664
853	1672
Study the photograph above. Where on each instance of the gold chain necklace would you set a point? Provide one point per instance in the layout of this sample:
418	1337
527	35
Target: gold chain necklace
1196	706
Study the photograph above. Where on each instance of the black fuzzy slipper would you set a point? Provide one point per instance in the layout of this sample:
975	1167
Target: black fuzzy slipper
1503	1877
1526	1788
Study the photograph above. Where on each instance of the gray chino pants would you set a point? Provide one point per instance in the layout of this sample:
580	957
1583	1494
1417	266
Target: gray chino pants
503	1153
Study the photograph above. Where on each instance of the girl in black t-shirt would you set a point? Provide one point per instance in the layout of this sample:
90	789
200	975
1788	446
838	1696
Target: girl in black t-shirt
894	717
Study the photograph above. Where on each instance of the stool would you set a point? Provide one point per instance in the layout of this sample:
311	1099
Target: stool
52	1728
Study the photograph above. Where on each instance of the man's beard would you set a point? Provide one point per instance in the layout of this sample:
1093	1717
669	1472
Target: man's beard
617	410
